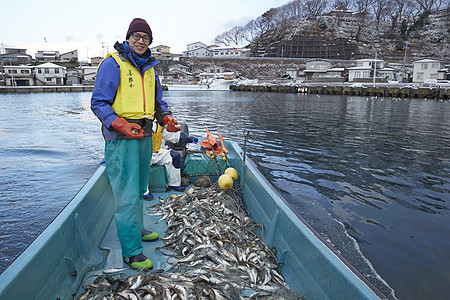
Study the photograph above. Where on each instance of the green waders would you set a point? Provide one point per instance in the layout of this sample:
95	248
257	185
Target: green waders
128	169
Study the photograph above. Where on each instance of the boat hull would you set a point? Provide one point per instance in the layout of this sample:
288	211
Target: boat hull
57	261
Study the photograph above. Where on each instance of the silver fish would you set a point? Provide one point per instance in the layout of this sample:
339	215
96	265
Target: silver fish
114	270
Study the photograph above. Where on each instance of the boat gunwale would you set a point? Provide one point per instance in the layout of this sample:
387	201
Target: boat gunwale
28	254
20	264
290	209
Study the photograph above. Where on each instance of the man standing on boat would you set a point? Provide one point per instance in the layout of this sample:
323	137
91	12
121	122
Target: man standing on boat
127	98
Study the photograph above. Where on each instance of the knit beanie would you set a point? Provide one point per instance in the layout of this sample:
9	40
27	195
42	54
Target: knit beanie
139	25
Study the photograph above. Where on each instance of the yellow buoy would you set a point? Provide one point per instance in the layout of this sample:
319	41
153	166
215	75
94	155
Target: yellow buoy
225	181
232	172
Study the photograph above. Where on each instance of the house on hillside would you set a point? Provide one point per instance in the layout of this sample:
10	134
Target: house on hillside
444	73
95	61
229	52
390	74
216	72
16	56
177	73
88	75
292	73
365	70
69	56
19	75
161	52
73	76
316	68
49	74
425	69
45	55
321	70
295	74
197	49
180	67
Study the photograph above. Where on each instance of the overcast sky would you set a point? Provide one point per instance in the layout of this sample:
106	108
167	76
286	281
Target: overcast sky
87	25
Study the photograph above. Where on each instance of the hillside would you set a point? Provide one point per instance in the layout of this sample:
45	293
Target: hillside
348	29
281	39
245	68
424	36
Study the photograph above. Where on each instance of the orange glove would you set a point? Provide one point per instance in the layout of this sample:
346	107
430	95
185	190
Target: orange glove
170	123
122	125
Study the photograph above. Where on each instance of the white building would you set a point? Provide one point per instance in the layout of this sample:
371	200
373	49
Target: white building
197	49
390	74
47	55
292	72
316	68
88	75
49	74
16	55
322	70
365	69
228	52
69	56
19	75
215	72
73	76
179	67
426	69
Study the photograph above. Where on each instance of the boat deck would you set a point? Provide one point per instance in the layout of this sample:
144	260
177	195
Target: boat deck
111	241
83	238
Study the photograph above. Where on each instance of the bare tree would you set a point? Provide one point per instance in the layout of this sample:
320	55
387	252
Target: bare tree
342	5
442	4
223	38
381	9
250	31
362	6
426	5
294	9
314	8
264	23
403	7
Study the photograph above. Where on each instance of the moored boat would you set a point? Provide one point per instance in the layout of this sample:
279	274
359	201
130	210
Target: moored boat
82	240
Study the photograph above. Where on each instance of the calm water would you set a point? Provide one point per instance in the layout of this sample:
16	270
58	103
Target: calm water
375	169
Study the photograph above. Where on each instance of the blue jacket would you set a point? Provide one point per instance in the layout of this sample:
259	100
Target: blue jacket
106	84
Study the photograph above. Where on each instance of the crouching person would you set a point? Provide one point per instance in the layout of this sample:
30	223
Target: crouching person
170	159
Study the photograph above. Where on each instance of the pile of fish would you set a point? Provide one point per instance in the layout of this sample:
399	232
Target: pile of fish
213	250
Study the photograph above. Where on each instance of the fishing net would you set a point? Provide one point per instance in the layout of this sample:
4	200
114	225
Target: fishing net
214	250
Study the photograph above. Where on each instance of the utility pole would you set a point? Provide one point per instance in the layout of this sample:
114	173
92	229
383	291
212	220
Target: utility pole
404	63
375	67
2	69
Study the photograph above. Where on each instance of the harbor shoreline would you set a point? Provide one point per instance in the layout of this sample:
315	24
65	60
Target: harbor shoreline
45	89
341	90
374	91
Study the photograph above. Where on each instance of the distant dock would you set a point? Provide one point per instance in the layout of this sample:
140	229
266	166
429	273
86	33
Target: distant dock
45	89
378	91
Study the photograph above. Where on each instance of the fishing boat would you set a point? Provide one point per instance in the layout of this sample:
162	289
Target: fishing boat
82	239
216	84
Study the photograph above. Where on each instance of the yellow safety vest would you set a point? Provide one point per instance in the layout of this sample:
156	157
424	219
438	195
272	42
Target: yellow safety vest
135	97
157	138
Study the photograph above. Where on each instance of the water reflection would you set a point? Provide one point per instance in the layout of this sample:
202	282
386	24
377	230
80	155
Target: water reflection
380	167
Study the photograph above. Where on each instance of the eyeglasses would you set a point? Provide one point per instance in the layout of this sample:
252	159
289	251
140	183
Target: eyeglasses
136	36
